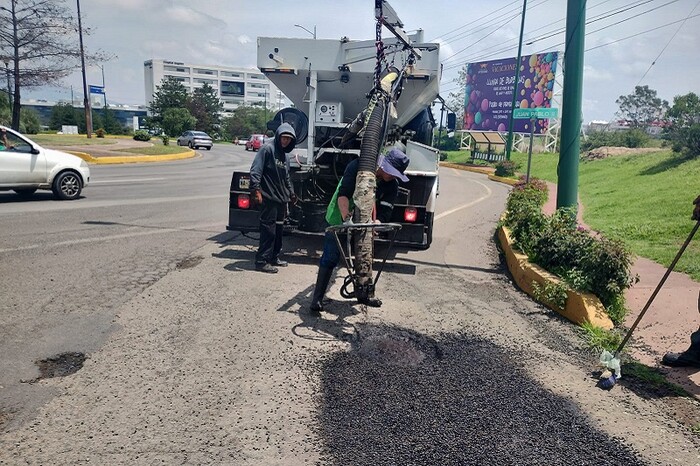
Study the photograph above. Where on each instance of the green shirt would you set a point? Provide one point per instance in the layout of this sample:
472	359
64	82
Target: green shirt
333	215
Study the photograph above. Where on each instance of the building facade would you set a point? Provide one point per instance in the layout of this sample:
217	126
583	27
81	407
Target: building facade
234	86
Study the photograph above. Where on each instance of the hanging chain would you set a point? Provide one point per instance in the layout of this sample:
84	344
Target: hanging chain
379	14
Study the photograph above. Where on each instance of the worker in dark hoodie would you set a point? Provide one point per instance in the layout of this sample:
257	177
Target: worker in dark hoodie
271	189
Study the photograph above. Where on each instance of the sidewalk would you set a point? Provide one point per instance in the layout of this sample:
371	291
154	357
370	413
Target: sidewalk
671	318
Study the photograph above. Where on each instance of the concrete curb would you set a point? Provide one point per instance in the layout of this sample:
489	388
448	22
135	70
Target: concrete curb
133	158
484	171
580	307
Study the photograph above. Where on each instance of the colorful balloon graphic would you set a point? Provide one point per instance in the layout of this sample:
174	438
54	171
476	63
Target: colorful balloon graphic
489	91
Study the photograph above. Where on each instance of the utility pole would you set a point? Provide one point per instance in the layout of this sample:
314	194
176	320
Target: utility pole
7	73
567	171
104	93
86	97
509	143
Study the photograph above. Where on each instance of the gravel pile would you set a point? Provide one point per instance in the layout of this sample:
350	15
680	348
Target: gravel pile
403	398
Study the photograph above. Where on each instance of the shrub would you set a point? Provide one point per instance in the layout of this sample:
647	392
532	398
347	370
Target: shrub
165	138
686	141
100	133
506	168
634	138
141	135
590	264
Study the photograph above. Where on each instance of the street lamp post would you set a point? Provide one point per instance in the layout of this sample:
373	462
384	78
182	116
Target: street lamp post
86	99
302	27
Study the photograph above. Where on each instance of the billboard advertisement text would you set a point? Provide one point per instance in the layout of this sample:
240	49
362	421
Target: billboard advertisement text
488	97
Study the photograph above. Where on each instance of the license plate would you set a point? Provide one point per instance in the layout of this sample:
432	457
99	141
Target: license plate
244	183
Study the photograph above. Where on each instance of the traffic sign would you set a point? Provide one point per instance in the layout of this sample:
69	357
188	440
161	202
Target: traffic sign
539	113
96	89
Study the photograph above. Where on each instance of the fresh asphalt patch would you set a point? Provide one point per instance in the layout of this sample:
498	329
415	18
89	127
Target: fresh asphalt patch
399	397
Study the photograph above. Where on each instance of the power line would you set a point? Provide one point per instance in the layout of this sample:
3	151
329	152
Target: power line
445	35
605	15
668	43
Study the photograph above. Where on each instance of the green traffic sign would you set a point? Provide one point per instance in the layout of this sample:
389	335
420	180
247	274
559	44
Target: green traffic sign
541	112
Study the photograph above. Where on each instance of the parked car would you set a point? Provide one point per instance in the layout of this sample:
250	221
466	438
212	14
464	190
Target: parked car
25	166
241	141
195	140
255	142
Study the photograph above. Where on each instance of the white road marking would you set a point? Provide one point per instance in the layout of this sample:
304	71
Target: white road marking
467	205
132	180
96	239
25	207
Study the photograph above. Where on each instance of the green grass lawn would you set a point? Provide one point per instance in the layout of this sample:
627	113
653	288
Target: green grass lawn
158	149
70	140
646	200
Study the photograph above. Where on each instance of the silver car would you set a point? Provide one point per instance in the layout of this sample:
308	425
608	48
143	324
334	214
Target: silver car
25	166
195	140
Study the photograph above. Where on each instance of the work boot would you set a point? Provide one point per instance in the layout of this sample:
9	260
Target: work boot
689	357
322	281
277	262
265	267
365	295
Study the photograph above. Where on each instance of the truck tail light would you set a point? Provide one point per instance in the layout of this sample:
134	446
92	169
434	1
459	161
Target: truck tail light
243	201
410	214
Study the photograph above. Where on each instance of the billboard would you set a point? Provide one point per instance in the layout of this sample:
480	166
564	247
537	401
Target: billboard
488	96
232	88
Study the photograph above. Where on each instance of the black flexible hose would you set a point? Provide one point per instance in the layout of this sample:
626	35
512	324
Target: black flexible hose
369	150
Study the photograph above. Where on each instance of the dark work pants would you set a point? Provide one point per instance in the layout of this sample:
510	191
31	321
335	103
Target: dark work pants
271	221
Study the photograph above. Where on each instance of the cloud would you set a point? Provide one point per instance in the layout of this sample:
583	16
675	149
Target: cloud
243	39
591	74
186	15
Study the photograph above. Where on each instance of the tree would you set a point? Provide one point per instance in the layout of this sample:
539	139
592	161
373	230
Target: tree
171	94
684	128
39	37
177	120
685	110
63	114
205	106
245	121
110	123
455	100
642	108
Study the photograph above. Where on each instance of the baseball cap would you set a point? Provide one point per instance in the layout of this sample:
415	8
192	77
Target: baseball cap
394	163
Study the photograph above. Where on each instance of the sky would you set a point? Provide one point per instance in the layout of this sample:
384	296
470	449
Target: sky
628	42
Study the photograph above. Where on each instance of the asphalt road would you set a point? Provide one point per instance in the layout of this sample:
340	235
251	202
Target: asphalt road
195	358
67	266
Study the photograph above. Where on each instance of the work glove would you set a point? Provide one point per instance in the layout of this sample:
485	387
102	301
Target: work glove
696	212
257	197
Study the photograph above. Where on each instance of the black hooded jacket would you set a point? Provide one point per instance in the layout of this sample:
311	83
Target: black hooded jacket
270	170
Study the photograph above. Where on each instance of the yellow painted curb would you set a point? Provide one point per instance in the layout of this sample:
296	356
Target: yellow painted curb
83	155
502	179
465	168
580	307
134	158
483	171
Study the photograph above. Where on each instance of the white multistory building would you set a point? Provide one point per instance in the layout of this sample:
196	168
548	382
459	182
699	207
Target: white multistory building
234	86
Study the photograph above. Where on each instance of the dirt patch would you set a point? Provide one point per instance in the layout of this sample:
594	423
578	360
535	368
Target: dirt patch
189	263
610	151
60	365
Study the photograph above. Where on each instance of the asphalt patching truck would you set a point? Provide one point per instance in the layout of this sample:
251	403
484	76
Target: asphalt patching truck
328	81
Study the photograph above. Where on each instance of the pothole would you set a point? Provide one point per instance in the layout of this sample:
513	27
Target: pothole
189	263
60	365
397	347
